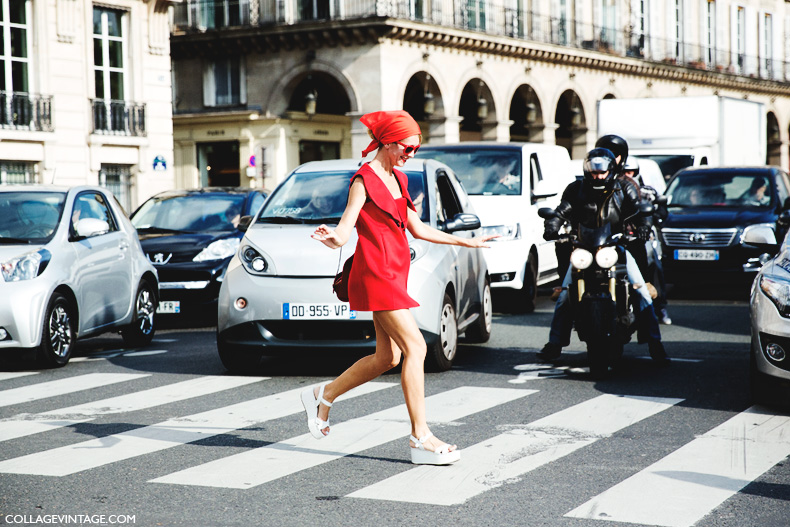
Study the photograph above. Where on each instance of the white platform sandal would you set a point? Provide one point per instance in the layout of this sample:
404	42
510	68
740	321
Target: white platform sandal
311	402
421	456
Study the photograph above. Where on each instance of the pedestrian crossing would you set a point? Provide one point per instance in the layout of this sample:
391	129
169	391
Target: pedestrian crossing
684	486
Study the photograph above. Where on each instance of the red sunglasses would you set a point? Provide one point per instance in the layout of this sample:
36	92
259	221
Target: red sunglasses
408	149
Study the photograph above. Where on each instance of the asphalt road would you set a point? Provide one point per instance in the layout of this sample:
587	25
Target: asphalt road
165	436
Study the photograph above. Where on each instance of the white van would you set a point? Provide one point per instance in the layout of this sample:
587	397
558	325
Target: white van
507	183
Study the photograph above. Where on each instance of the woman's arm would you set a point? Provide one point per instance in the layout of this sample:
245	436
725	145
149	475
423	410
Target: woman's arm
425	232
337	237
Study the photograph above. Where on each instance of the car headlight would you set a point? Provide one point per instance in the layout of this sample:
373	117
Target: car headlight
218	250
606	257
254	262
779	293
25	267
506	233
581	258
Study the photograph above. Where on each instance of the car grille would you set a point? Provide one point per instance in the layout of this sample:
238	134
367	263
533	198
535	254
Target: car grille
699	237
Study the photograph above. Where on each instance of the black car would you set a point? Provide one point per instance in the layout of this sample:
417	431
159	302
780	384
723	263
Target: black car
709	211
190	236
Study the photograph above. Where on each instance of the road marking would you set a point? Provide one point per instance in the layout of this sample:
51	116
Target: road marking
49	389
143	353
680	489
5	375
505	457
167	434
261	465
531	372
29	424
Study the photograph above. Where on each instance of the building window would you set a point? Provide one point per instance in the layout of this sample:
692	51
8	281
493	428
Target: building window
223	13
118	180
109	53
677	36
475	14
14	58
710	37
17	173
740	38
224	83
768	45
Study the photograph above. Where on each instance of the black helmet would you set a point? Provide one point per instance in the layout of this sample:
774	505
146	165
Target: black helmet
599	160
617	145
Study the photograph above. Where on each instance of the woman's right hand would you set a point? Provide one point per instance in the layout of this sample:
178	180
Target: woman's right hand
327	236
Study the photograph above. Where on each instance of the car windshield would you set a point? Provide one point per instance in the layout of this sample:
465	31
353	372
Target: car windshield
190	213
321	197
487	172
720	190
30	217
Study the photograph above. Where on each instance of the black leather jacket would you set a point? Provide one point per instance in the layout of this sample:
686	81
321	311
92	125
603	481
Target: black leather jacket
581	204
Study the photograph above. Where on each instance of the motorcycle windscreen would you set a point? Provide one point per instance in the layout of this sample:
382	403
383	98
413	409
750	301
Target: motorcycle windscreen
593	237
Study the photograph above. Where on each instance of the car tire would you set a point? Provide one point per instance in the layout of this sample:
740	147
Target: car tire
58	333
480	330
141	331
238	362
442	353
529	291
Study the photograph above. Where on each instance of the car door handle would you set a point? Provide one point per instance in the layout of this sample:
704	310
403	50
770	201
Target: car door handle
123	246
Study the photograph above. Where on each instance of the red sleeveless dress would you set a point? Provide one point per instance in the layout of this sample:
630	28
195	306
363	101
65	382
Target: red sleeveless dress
380	270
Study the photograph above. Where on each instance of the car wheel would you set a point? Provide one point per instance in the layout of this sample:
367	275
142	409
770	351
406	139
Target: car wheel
141	331
58	334
529	291
237	361
480	330
441	354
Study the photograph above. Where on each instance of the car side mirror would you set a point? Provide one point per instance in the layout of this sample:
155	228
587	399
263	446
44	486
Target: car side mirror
762	237
244	223
89	227
660	200
783	220
462	222
543	190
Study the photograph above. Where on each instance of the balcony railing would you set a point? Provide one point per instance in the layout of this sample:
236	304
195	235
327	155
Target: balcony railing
118	117
25	111
493	18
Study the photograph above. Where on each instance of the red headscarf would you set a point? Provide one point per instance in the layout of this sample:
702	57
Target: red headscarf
388	127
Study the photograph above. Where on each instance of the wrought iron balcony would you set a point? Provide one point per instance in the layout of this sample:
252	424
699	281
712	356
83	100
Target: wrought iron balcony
118	117
25	111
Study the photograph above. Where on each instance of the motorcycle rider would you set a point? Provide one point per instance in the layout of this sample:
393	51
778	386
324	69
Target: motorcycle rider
597	199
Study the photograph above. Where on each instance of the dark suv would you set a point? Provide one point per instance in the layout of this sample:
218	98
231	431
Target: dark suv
710	209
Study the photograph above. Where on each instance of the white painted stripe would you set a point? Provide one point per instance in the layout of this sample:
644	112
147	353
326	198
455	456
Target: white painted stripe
261	465
167	434
505	457
680	489
5	375
48	389
29	424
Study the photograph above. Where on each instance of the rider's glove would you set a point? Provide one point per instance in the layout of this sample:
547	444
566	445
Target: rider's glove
551	231
643	233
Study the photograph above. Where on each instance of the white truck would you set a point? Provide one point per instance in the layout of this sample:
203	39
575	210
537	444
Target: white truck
679	132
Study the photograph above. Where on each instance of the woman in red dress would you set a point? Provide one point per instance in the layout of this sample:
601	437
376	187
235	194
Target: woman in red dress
381	210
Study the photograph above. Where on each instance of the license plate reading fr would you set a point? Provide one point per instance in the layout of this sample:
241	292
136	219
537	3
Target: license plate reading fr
169	307
304	311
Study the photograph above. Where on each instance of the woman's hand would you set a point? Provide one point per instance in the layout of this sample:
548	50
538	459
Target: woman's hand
481	242
327	236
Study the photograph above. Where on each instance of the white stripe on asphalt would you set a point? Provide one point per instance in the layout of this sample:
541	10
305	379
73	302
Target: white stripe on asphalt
102	451
680	489
505	457
48	389
261	465
5	375
29	424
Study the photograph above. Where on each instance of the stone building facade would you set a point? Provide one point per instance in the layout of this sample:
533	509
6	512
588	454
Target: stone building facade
86	95
262	86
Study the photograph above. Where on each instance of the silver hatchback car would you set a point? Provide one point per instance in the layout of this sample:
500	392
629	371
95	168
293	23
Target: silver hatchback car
71	267
277	293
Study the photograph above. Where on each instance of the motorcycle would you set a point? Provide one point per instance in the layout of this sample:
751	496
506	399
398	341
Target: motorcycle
599	294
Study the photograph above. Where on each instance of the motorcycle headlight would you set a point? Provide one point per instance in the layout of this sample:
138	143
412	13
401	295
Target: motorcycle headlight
779	293
254	262
218	250
581	258
606	257
505	232
25	267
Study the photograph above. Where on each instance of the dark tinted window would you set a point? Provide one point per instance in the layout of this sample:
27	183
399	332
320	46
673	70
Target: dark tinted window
190	212
707	189
29	216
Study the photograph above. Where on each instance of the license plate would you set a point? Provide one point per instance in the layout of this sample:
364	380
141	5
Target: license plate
334	311
696	254
169	307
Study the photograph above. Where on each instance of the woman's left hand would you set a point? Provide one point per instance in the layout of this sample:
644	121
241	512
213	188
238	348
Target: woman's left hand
481	242
327	236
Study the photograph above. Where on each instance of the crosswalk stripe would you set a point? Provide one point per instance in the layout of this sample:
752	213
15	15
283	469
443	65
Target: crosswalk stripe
261	465
28	424
74	458
507	456
5	375
680	489
48	389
